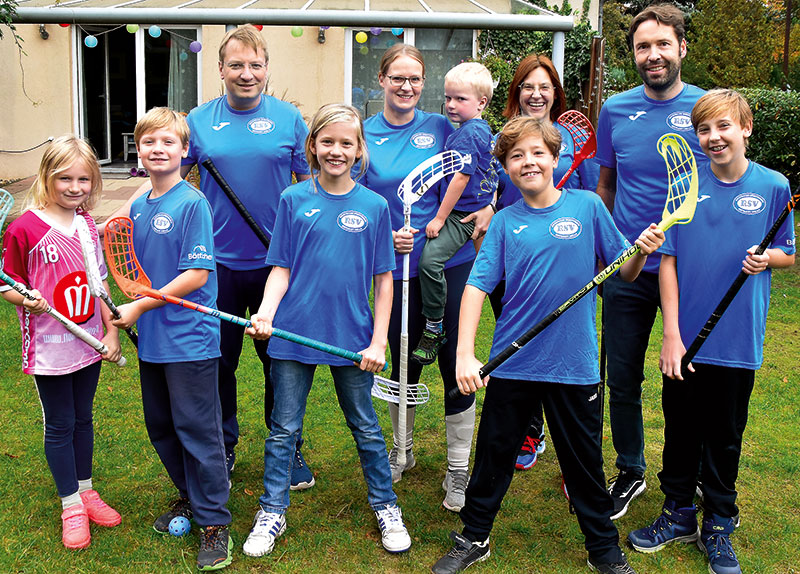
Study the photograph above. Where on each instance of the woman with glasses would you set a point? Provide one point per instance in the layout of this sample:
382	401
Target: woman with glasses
398	139
536	91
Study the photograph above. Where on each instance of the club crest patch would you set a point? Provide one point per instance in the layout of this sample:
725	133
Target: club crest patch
565	228
352	221
423	140
680	121
749	203
71	297
162	223
260	125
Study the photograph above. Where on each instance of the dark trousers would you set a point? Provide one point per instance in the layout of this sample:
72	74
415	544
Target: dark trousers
184	423
573	416
704	420
629	310
536	428
456	278
68	428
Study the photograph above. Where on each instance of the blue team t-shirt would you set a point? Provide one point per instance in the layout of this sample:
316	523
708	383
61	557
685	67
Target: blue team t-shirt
333	246
628	130
256	152
584	177
393	152
171	234
474	138
729	219
546	255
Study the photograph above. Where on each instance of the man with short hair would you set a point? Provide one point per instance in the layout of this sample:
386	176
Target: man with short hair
633	184
257	142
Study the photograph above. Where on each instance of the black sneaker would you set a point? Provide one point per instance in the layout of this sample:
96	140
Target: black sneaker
463	555
621	567
179	507
428	347
215	548
623	488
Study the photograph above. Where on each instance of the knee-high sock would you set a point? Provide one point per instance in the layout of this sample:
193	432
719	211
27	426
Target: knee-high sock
459	427
394	413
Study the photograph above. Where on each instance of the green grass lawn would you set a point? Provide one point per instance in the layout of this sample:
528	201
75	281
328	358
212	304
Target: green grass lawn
331	528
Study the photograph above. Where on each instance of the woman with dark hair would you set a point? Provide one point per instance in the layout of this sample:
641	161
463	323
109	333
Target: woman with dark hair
398	139
536	91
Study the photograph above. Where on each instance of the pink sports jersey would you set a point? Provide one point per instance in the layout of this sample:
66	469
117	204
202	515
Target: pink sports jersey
41	254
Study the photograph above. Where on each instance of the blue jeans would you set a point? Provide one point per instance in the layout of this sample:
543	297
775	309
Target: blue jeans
629	312
292	383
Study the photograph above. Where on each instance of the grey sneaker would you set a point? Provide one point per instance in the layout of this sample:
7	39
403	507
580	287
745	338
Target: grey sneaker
455	485
215	548
397	472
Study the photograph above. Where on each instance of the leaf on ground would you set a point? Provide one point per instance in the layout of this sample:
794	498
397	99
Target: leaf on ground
110	390
248	492
9	455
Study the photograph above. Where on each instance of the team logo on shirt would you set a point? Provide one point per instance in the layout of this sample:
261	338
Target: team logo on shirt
423	140
260	125
199	251
352	221
71	297
162	223
565	228
749	203
680	121
563	147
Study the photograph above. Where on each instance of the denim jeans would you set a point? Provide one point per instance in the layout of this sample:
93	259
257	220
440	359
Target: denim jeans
629	311
292	383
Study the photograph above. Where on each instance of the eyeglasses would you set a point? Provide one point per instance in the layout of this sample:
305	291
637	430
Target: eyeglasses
543	89
255	67
398	81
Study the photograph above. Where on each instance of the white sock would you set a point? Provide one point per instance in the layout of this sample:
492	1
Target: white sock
394	413
459	429
71	500
434	325
84	485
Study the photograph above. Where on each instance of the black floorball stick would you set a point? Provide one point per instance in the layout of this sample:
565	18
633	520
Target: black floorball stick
237	203
736	285
679	208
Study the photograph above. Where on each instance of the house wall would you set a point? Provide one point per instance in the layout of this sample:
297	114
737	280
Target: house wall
46	111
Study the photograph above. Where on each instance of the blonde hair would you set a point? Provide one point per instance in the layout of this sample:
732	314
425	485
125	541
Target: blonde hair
61	154
395	52
247	35
719	102
523	127
472	75
331	114
162	118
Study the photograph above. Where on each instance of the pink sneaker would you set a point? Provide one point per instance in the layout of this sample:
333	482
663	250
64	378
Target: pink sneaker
99	512
75	527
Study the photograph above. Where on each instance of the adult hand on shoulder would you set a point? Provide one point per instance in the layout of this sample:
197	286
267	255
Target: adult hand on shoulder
482	218
404	240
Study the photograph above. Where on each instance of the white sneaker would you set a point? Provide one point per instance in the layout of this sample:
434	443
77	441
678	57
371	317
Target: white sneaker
267	526
455	486
394	535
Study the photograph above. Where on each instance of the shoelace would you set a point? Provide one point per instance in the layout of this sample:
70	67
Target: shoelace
459	481
721	544
391	519
531	444
297	460
661	523
211	538
266	519
76	520
621	482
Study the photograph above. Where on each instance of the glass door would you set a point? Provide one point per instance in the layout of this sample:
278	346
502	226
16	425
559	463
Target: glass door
95	102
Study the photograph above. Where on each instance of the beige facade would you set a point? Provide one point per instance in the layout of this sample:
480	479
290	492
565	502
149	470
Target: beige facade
301	70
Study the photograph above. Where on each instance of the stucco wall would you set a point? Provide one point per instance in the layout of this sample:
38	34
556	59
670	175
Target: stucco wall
46	111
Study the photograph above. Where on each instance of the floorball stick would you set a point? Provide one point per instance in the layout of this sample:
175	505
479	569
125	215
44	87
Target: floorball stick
737	284
389	391
583	138
134	282
679	208
409	191
96	287
237	203
6	201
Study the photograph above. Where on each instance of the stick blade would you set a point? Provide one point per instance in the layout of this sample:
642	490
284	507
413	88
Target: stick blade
6	203
121	258
429	172
683	180
582	132
389	391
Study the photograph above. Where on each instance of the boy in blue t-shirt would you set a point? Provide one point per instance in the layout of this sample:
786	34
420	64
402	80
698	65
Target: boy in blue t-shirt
179	348
467	90
546	246
705	409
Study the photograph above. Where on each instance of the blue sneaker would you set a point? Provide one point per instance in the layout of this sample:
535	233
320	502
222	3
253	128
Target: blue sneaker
674	525
529	452
302	478
715	542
